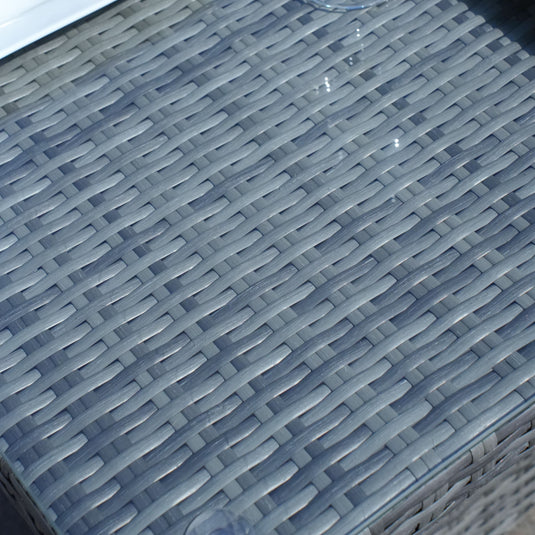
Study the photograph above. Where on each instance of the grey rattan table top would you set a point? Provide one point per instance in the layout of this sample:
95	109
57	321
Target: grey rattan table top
262	257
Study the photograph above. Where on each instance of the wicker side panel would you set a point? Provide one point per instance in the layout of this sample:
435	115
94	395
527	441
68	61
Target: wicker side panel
486	492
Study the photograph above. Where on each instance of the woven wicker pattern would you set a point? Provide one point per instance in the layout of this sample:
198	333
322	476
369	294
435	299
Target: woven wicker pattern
484	492
258	256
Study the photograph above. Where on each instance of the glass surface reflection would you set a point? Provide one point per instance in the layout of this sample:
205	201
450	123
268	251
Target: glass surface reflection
345	5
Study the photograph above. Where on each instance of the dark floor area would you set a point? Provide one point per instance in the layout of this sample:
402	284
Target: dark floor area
10	521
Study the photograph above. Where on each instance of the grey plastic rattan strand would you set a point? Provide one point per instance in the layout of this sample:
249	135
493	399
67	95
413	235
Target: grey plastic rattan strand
263	257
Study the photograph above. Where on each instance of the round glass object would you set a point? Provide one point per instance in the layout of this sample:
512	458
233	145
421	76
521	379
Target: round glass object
219	522
344	5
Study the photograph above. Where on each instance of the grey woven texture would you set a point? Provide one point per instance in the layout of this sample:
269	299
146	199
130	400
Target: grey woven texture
263	257
485	491
504	488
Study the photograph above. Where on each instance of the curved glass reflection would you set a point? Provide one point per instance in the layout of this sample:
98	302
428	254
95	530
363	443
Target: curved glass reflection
219	522
344	5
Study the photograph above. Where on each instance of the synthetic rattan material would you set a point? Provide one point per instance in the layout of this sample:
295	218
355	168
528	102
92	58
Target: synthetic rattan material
485	491
259	256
